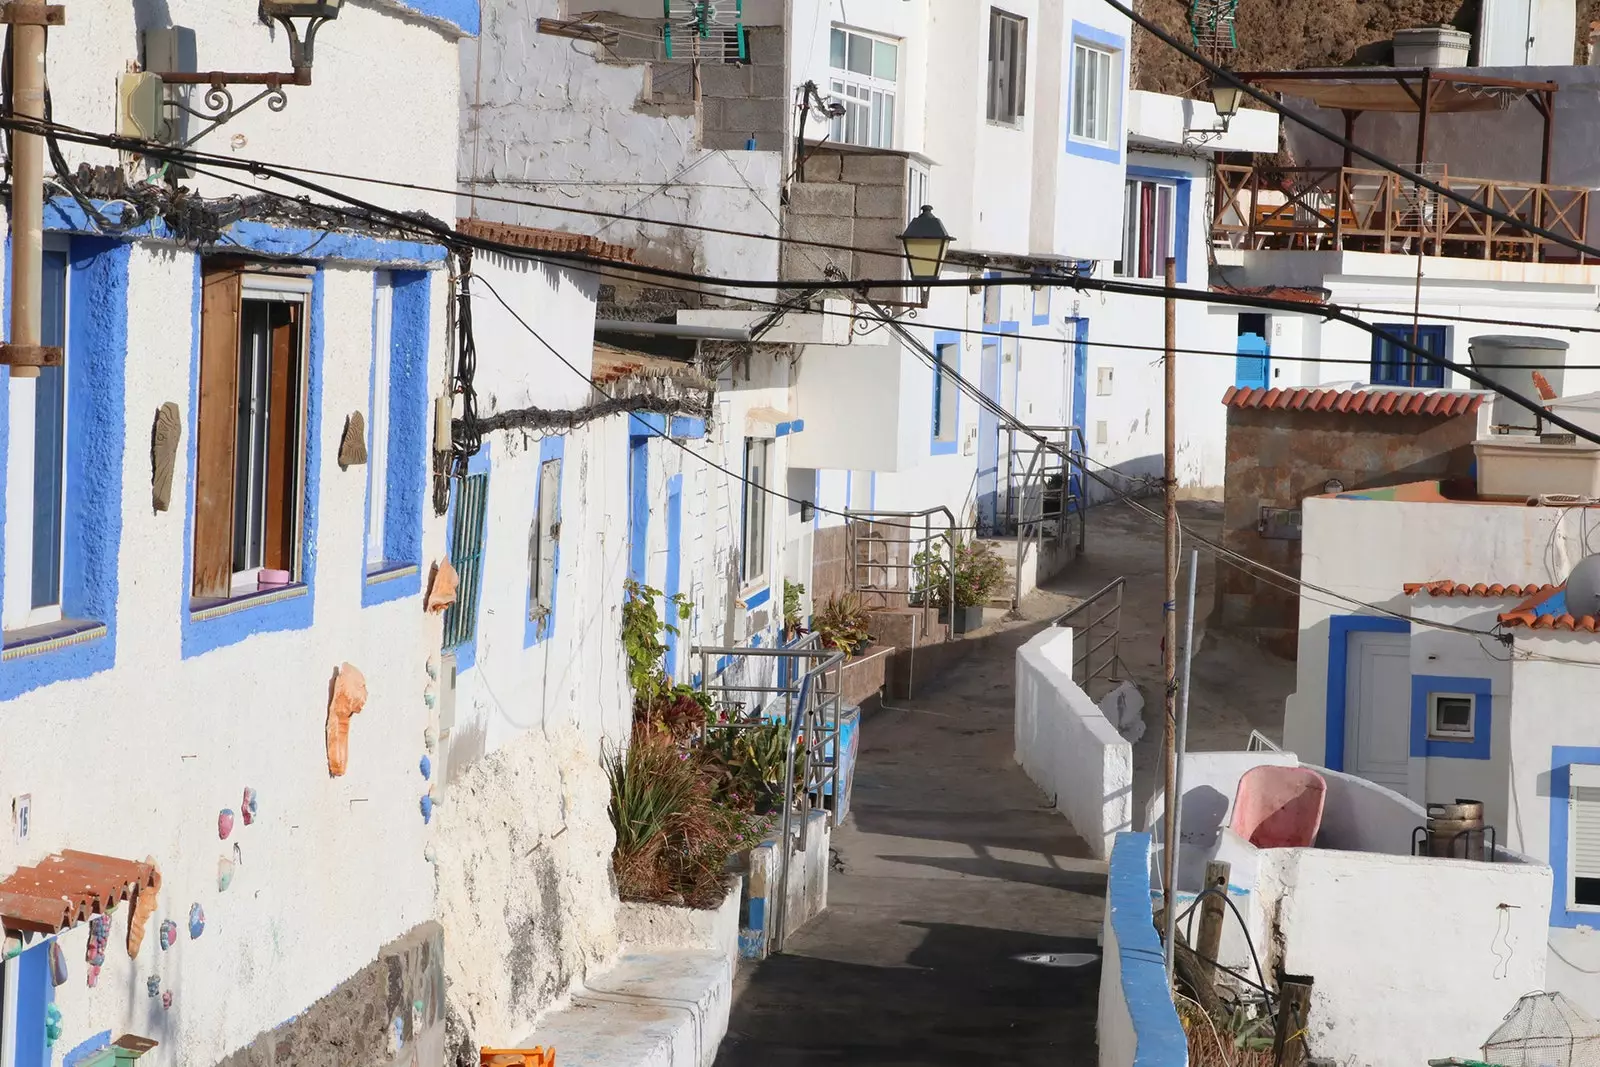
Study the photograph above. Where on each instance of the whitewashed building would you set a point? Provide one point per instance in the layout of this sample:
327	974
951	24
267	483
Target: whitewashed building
217	501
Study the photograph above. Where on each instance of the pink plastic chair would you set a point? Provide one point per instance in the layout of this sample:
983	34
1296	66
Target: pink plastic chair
1279	807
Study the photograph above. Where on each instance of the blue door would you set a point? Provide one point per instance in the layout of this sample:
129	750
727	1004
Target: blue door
1080	405
988	438
1250	366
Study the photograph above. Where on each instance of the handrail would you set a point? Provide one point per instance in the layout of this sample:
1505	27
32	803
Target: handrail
1026	507
1260	742
811	709
1083	652
939	541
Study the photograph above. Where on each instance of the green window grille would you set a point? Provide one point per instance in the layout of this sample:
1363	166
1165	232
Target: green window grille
466	556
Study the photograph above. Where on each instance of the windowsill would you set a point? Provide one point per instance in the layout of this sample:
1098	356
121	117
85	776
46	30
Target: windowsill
1003	125
755	594
203	608
388	571
48	637
1451	739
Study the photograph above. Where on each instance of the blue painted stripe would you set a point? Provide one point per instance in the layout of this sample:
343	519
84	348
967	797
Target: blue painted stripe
97	358
647	424
946	344
784	429
683	426
638	505
1340	627
352	249
459	15
674	582
85	1049
758	598
553	447
406	475
34	995
1159	1039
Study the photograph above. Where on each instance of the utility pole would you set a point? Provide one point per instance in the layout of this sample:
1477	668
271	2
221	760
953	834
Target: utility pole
23	353
1169	607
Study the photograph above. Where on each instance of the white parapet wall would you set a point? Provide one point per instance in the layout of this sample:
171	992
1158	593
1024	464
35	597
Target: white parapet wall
1137	1023
1068	747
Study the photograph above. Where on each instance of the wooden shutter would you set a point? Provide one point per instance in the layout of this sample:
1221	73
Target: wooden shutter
283	441
217	426
1585	808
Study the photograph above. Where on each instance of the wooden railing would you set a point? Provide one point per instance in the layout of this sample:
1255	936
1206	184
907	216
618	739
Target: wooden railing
1354	209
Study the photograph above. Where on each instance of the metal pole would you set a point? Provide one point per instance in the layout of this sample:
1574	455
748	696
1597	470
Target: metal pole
1175	799
1169	612
27	198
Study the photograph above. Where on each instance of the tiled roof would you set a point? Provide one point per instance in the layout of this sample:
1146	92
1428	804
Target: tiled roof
68	888
1299	295
538	240
1547	610
1440	402
1479	589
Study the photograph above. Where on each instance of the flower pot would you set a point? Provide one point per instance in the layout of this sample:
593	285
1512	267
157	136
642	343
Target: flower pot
969	618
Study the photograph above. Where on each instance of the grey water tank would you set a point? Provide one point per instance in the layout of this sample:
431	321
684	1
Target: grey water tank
1509	361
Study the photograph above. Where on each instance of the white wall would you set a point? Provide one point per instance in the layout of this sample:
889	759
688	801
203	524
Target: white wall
1413	959
547	121
904	21
1068	747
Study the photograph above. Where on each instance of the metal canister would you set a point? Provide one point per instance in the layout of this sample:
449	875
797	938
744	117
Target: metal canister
1455	831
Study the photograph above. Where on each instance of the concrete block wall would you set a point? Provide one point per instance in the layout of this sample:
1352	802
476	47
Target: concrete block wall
851	197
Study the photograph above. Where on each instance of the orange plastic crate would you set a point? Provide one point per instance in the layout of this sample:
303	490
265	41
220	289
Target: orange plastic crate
515	1057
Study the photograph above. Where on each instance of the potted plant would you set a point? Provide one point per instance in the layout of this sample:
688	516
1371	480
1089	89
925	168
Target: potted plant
842	624
979	574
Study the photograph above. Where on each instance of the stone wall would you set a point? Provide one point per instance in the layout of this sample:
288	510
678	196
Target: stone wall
1277	458
389	1014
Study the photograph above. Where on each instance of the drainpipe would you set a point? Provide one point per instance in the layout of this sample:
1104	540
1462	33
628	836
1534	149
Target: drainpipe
23	353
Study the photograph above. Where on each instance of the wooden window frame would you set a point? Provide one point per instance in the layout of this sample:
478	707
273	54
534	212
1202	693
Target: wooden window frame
225	286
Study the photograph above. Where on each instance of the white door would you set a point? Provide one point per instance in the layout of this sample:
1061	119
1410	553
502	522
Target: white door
1377	714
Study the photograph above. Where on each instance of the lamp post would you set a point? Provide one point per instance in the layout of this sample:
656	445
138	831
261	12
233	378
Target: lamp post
926	241
301	44
1226	97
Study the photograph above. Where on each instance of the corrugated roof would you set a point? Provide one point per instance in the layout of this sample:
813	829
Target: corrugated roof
1448	587
539	240
1547	610
1439	402
69	887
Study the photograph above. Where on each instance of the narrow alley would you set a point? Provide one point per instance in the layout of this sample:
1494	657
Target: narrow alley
953	866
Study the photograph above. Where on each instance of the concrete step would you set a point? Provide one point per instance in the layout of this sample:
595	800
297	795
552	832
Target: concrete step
665	1008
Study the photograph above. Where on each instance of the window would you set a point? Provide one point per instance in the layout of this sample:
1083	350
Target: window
1102	380
1450	716
250	447
1093	86
945	392
1147	229
542	542
992	295
1008	67
757	452
1583	836
378	425
1041	305
864	80
466	556
1393	365
41	437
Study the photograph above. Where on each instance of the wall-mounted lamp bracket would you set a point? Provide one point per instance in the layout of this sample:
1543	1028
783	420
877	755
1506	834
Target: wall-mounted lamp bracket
15	14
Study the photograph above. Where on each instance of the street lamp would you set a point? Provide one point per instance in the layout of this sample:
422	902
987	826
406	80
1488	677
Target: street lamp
926	242
314	12
1226	97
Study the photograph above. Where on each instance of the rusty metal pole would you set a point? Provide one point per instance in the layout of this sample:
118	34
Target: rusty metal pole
27	199
1169	609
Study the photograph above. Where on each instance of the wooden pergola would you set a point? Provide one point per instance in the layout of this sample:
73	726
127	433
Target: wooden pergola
1421	91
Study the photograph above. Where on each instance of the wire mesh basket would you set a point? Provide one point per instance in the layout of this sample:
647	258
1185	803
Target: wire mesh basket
1544	1030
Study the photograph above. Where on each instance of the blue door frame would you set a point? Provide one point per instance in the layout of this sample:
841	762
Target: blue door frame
989	436
1080	404
1251	364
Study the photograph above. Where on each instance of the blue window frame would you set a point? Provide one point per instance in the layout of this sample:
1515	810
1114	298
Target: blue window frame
397	436
946	420
1574	828
1451	717
50	441
1393	365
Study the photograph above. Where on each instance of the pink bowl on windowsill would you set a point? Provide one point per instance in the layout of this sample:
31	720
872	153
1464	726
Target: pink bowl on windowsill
270	579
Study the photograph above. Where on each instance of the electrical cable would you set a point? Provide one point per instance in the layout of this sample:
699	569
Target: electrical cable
1213	891
444	234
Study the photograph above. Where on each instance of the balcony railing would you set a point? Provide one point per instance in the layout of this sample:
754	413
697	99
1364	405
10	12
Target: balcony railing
1358	210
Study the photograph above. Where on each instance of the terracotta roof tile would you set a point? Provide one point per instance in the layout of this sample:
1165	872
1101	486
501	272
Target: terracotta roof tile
544	240
68	888
1442	403
1547	610
1448	587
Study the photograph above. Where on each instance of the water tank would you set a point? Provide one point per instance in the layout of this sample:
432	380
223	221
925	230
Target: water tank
1583	588
1431	46
1510	361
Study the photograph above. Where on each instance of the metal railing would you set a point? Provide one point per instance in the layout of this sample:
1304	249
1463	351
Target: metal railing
805	694
1260	742
1042	500
903	558
1107	626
